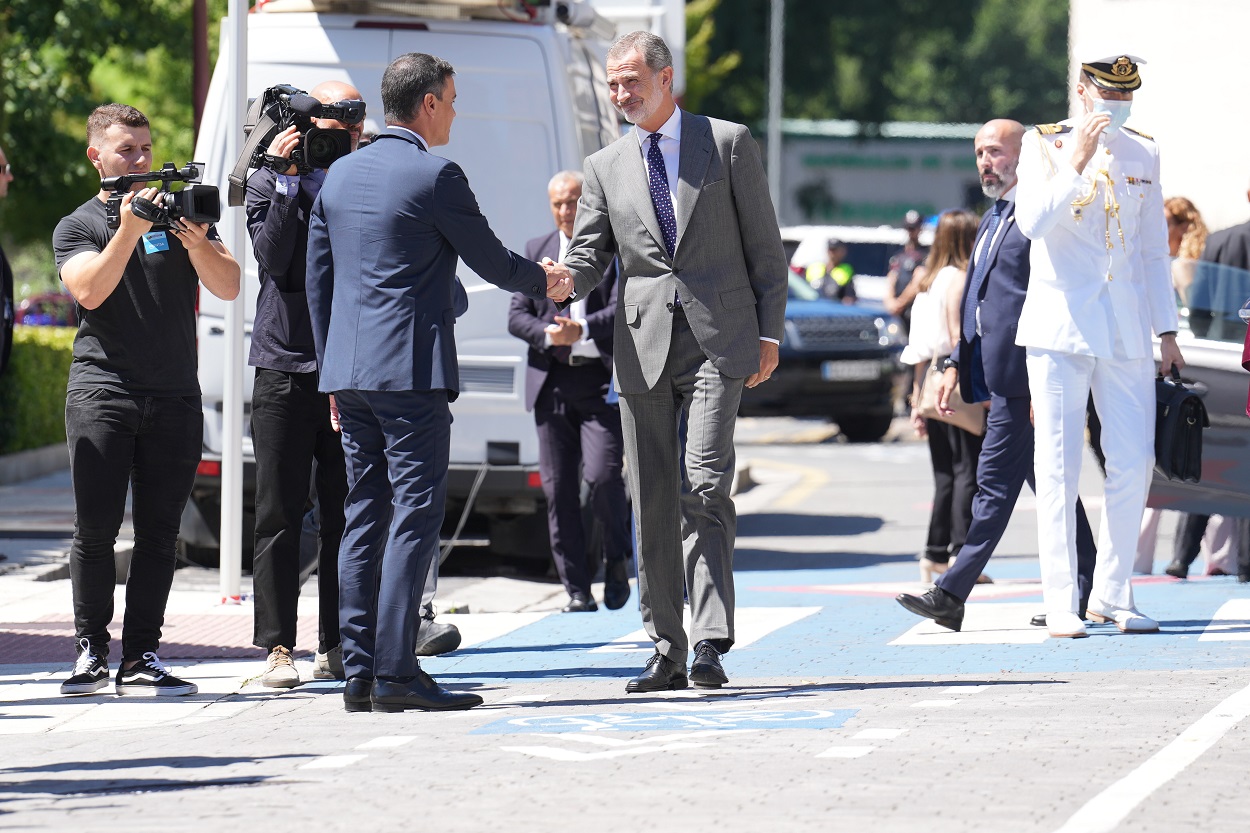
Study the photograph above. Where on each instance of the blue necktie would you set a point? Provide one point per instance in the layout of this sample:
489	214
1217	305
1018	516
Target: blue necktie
657	176
969	323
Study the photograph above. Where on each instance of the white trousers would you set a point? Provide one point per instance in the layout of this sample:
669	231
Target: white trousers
1124	395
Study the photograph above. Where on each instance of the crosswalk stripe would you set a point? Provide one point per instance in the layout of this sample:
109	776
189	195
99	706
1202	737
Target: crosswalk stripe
1231	623
751	624
1000	623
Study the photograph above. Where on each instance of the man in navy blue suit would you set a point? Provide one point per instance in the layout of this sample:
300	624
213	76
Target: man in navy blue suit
987	365
383	242
579	433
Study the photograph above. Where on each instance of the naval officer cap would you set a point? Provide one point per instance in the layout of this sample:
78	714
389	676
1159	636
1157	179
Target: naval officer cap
1119	72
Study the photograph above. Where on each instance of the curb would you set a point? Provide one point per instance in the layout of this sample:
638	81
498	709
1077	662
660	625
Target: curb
742	478
32	463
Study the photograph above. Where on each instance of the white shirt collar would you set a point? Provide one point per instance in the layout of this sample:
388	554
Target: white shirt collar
424	143
671	129
1010	194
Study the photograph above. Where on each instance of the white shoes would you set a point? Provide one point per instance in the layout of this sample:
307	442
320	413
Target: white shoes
1128	621
1063	624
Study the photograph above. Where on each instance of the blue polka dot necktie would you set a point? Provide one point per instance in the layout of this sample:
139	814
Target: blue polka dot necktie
657	176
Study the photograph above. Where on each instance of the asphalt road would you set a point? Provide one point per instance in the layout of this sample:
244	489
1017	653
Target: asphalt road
844	711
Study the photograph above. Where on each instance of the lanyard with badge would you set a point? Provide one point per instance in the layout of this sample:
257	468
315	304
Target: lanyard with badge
155	241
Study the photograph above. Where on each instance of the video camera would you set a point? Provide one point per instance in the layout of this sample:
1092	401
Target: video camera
197	203
319	147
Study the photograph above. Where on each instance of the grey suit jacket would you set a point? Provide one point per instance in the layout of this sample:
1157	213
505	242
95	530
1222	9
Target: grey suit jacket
729	267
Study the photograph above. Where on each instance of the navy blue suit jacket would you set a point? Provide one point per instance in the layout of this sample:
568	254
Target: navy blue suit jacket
527	319
383	242
1002	295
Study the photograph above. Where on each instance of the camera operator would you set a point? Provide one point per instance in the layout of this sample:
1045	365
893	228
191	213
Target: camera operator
291	425
132	410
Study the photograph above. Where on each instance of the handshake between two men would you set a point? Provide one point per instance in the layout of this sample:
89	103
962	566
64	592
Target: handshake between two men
559	280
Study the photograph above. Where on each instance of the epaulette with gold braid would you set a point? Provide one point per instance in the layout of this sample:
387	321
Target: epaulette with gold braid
1051	129
1139	133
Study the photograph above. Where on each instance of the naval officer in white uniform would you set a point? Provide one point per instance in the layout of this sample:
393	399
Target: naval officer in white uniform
1090	200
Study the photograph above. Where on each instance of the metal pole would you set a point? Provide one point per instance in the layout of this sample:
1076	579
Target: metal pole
776	57
231	537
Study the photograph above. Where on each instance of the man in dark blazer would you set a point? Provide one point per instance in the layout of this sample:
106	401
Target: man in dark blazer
985	365
579	433
290	418
386	232
8	309
683	200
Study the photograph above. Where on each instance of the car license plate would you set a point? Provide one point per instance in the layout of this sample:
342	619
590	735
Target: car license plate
862	370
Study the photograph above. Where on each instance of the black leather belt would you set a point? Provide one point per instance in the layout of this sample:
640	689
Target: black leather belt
574	361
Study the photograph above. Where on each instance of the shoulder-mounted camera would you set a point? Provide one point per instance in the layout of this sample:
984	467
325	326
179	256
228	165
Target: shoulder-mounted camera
280	107
197	203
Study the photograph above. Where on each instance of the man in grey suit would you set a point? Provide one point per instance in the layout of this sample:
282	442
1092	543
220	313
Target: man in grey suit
682	199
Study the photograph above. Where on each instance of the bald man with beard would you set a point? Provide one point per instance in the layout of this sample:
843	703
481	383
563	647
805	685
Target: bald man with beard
987	366
291	425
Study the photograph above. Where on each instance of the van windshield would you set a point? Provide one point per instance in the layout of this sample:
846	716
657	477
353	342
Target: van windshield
801	290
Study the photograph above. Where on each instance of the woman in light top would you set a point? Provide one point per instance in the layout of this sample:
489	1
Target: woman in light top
934	329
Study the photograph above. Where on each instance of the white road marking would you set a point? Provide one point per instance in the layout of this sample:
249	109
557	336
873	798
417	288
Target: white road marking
935	704
846	752
1001	623
1231	623
387	742
557	754
1105	811
877	734
476	628
333	761
525	698
751	624
964	689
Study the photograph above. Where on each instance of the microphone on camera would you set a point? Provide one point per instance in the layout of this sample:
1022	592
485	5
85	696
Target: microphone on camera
304	104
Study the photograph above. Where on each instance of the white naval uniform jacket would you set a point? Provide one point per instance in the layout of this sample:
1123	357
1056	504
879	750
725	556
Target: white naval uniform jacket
1081	293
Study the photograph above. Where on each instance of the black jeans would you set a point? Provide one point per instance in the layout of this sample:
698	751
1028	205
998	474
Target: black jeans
953	453
152	444
291	429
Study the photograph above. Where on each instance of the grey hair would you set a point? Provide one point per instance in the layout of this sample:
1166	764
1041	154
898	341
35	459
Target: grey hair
566	176
652	48
407	81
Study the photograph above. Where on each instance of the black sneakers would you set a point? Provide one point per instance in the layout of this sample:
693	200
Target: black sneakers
150	677
91	672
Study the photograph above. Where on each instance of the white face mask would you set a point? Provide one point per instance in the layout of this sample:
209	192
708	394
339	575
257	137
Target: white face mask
1117	110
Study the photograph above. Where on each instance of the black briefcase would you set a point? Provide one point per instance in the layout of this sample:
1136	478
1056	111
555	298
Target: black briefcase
1179	422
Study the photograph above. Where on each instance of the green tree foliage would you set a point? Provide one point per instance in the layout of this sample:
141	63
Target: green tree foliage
703	73
882	60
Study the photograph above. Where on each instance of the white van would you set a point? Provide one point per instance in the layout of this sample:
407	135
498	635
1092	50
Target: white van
532	100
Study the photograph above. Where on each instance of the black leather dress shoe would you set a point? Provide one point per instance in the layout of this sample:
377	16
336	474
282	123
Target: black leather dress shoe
420	692
1039	621
356	695
434	639
615	584
580	603
661	674
1177	569
943	608
706	670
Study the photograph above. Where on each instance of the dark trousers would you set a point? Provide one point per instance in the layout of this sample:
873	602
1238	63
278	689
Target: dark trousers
953	453
397	446
579	438
1189	531
151	444
1004	466
290	430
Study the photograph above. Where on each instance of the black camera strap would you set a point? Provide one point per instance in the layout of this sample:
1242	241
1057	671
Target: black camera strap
256	126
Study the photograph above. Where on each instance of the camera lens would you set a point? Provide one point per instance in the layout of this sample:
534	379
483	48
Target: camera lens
321	146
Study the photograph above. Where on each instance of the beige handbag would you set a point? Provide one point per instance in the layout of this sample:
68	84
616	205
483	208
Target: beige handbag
968	416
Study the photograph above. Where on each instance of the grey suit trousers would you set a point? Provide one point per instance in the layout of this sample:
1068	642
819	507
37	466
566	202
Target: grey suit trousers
683	513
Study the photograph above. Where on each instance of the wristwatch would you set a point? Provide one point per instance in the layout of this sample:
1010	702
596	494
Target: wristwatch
948	363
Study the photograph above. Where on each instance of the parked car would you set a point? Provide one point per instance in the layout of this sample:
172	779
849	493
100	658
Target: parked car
838	361
50	309
1211	339
868	249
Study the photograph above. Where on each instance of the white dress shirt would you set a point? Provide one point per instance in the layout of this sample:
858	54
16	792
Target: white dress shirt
984	245
670	149
584	346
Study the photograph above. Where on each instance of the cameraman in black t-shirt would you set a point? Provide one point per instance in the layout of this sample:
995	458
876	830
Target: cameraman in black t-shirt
132	409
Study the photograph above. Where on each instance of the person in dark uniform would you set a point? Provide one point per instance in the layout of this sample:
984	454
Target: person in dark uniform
579	433
7	309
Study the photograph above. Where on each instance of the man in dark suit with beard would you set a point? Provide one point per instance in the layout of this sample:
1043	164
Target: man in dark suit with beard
579	433
987	365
